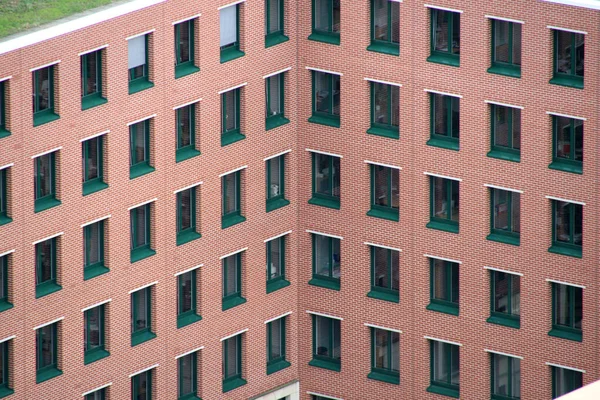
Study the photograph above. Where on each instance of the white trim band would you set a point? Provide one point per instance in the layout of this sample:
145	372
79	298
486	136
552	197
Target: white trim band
6	78
96	220
233	170
48	238
591	4
442	93
382	165
324	234
96	389
324	315
443	8
277	155
383	82
8	338
442	340
95	135
7	252
141	119
83	53
193	185
281	71
382	327
233	88
231	4
234	334
47	152
323	395
565	283
502	188
140	34
324	153
144	370
516	21
502	354
502	270
382	246
7	166
442	176
96	305
324	71
497	103
186	19
565	367
189	103
48	323
278	317
565	115
143	287
44	66
558	28
443	259
188	270
277	236
565	200
233	253
143	204
189	352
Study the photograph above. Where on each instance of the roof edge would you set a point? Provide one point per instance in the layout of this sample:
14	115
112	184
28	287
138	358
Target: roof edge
591	4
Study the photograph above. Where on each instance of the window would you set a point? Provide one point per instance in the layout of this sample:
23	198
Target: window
385	356
46	343
567	144
565	380
567	228
385	27
91	80
274	88
505	216
97	395
232	281
385	274
139	149
141	386
4	213
445	37
444	369
505	307
232	363
5	382
444	205
276	346
4	132
276	183
276	264
444	287
445	121
186	133
45	182
187	373
187	229
385	193
44	107
385	109
45	268
326	343
325	99
326	21
274	23
567	312
230	117
139	63
568	59
5	303
92	157
141	242
326	262
93	250
506	133
187	299
141	316
506	48
230	33
325	181
93	333
232	203
185	62
506	377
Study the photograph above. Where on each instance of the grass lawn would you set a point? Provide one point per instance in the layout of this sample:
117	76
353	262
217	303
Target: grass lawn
20	15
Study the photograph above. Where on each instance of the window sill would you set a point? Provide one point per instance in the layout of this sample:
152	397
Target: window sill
47	374
325	283
140	170
185	70
191	396
231	54
559	333
5	220
92	272
443	226
275	285
503	155
274	204
325	38
275	121
93	186
46	288
443	308
233	302
333	202
513	71
186	237
443	391
186	153
187	319
385	296
46	203
141	337
446	59
392	133
5	392
322	120
139	84
91	101
277	366
234	383
502	238
231	137
274	39
384	377
567	166
230	220
5	305
44	117
141	253
504	321
330	365
94	355
385	48
565	251
450	144
391	214
568	81
4	133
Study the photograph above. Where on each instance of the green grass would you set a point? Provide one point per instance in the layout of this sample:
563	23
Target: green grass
20	15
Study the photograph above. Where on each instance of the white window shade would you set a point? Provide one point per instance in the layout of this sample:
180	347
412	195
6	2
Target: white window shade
137	51
228	17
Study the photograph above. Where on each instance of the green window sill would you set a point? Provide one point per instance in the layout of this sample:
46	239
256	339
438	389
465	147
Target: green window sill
4	133
5	305
451	227
93	186
391	214
333	121
46	288
443	308
46	203
5	220
185	237
185	69
446	59
141	337
504	238
5	392
274	204
47	374
92	272
277	366
558	248
234	383
43	117
513	71
92	100
433	388
567	166
140	169
379	294
568	81
569	335
326	364
231	137
393	132
391	377
139	84
275	121
331	38
141	253
273	39
94	355
230	220
231	54
277	284
392	49
504	321
504	155
186	153
331	283
232	302
450	144
191	396
187	319
330	202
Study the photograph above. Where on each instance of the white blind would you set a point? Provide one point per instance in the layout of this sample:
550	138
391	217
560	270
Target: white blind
228	17
137	51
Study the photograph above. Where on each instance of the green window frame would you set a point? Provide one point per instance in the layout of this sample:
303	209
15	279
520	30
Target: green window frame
276	360
230	117
445	121
97	395
5	303
325	181
326	99
43	96
187	299
326	338
568	65
326	21
4	132
505	377
385	27
45	268
567	229
139	75
444	192
385	356
231	207
230	50
445	25
186	133
385	110
385	274
94	334
506	48
92	157
141	386
185	49
567	312
276	264
275	101
93	250
141	316
274	23
505	299
505	216
275	183
45	182
565	380
91	80
232	281
46	343
444	286
139	149
4	217
141	230
5	367
326	262
232	367
187	229
506	133
187	377
385	193
444	369
567	144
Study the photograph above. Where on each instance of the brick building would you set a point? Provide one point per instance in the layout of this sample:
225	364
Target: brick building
413	175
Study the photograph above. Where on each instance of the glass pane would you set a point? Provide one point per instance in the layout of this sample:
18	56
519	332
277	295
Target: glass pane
274	175
455	364
230	270
440	115
139	142
232	356
45	272
276	350
381	101
440	26
501	377
455	104
562	306
322	174
275	258
455	33
185	297
184	42
395	269
516	212
92	158
395	182
501	47
141	386
395	105
91	81
322	15
140	310
186	375
562	220
381	349
140	238
395	351
42	90
336	94
501	211
516	378
563	52
440	198
43	170
93	251
455	283
578	236
516	295
185	209
274	95
335	161
184	128
321	89
336	16
274	16
578	307
563	137
501	294
454	201
3	368
322	336
3	280
337	349
395	10
579	53
380	266
381	182
230	202
440	280
578	139
322	256
380	20
516	44
516	126
440	362
230	105
336	258
93	328
46	334
501	126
